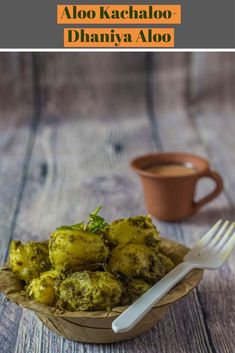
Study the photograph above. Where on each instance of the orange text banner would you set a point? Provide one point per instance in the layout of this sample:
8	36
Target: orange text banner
118	37
119	14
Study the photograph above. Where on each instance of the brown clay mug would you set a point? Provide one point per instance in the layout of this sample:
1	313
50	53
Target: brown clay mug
171	197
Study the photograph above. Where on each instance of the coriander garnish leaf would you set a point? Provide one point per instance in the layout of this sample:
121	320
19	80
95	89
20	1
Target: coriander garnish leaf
94	224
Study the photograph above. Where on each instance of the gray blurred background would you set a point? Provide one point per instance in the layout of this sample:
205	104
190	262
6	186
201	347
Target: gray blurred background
112	85
91	108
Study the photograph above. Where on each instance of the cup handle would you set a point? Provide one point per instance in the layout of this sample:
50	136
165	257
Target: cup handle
218	188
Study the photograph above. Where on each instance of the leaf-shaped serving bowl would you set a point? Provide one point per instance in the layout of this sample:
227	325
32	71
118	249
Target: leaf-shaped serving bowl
95	326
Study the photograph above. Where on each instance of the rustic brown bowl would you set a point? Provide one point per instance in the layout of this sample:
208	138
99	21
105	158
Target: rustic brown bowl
95	327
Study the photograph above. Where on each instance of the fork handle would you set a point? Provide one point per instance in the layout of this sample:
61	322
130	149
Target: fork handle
139	308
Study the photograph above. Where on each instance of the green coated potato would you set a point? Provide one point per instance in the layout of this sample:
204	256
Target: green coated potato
134	230
138	260
164	264
71	249
92	265
135	287
28	260
86	290
42	289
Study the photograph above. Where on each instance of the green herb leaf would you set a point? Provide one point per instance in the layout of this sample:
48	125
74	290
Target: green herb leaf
94	224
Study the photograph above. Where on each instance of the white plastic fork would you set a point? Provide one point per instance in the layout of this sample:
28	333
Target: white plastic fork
210	252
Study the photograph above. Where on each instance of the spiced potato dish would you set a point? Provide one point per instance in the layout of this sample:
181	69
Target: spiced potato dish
92	265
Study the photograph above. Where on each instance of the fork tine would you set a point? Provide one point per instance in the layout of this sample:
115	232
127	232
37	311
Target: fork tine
207	237
222	242
217	238
227	249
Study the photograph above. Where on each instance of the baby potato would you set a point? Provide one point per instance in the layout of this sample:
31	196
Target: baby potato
138	260
42	288
133	260
74	249
28	260
86	290
135	287
135	230
165	264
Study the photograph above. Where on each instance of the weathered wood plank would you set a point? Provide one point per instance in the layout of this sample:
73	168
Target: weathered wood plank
98	85
213	80
214	119
15	88
178	131
16	116
170	118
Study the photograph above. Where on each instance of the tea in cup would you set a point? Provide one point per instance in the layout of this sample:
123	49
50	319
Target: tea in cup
169	182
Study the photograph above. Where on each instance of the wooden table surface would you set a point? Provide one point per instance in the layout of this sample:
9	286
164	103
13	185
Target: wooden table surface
69	125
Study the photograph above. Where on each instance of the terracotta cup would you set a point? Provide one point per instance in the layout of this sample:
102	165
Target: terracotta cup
171	198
